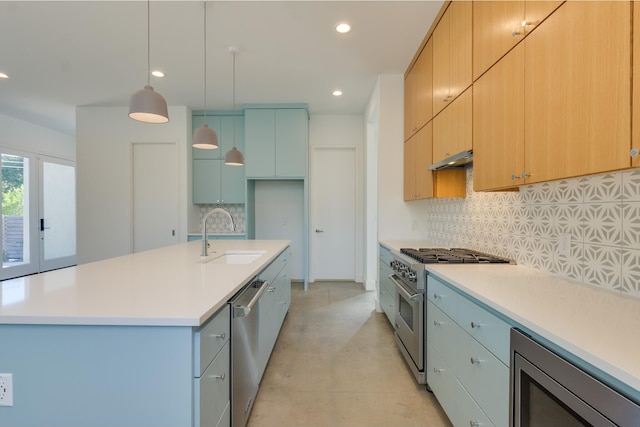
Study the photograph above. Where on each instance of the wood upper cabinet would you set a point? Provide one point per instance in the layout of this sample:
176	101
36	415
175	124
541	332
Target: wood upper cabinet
635	142
498	124
418	108
498	26
452	54
452	128
418	181
578	91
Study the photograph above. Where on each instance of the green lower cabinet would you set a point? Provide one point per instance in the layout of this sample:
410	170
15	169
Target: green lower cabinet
211	390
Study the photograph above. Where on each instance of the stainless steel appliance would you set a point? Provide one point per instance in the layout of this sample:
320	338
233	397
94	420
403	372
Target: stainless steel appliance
548	390
244	350
410	281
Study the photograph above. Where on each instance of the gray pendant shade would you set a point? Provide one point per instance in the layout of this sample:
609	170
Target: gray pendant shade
148	106
205	138
233	158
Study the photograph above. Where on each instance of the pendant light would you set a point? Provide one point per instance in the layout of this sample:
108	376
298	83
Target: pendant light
146	105
234	156
205	137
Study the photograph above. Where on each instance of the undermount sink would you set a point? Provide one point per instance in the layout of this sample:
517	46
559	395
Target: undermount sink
232	257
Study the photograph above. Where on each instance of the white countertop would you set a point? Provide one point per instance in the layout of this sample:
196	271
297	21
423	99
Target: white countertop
599	326
161	287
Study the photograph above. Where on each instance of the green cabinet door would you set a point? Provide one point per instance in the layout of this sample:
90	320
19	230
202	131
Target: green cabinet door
291	143
260	143
215	182
232	184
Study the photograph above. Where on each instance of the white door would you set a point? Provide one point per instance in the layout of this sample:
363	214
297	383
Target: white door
333	213
57	213
155	195
38	213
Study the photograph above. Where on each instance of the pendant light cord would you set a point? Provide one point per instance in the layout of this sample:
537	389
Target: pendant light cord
148	42
234	98
205	61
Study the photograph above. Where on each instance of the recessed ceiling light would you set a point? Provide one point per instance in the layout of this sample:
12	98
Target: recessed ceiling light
343	28
3	75
157	73
337	93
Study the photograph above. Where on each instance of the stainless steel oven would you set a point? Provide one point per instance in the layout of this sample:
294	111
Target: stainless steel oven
547	390
409	280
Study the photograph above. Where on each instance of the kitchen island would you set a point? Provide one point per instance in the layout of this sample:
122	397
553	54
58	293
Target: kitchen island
116	342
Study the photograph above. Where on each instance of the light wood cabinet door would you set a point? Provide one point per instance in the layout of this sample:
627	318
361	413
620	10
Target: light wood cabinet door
418	181
423	87
410	104
452	128
577	91
635	143
452	54
494	24
498	124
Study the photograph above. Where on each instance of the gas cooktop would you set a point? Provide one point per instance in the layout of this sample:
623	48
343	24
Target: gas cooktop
453	256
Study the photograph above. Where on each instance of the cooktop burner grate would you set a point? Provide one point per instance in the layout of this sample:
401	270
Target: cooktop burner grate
453	256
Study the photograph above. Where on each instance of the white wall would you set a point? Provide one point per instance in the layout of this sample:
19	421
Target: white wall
397	220
27	136
104	136
347	130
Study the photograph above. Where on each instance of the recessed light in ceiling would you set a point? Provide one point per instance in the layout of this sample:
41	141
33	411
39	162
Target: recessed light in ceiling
3	75
343	28
337	93
157	73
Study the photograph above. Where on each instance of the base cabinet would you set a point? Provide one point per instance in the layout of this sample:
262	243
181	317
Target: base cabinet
467	358
386	292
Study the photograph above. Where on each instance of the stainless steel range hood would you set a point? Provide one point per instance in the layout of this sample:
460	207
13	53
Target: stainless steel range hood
456	161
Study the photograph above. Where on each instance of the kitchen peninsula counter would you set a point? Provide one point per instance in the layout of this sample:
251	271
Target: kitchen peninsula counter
162	287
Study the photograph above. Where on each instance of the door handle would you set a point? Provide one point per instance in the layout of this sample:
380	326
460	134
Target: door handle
42	227
319	231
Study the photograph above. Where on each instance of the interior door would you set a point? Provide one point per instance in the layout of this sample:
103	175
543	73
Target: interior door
57	208
333	213
155	195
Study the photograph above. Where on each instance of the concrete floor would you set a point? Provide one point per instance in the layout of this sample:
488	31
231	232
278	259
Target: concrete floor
336	364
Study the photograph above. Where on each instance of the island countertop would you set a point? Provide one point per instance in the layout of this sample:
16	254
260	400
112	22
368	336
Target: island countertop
168	286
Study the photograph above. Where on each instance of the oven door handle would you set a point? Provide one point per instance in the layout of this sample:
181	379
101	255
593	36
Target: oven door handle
408	293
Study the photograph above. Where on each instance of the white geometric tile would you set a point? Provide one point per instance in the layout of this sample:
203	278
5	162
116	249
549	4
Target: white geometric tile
527	193
570	266
569	191
631	272
570	219
603	224
542	219
631	225
543	194
541	254
631	185
602	188
602	266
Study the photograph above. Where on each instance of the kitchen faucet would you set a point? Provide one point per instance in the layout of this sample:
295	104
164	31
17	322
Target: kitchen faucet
205	244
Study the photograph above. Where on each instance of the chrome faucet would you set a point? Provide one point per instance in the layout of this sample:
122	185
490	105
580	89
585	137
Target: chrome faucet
205	244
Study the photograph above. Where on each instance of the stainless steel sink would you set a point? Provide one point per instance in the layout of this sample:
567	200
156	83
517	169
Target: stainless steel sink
239	256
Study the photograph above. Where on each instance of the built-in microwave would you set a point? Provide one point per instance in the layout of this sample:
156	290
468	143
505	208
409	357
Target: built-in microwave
547	390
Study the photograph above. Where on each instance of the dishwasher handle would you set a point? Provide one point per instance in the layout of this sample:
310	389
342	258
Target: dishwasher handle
244	310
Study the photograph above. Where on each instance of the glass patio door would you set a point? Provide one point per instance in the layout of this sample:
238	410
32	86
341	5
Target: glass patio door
38	213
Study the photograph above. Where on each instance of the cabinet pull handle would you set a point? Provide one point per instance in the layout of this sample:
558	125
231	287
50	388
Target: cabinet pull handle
221	336
437	296
475	325
474	423
436	370
474	361
220	377
271	289
516	33
436	323
634	152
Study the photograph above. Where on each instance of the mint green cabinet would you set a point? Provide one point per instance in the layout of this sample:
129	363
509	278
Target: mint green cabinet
276	142
213	181
386	288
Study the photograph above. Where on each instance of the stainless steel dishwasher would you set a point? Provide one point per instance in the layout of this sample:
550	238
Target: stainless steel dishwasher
244	350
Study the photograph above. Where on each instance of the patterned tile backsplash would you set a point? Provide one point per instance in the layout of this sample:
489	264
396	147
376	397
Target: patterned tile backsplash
600	213
219	223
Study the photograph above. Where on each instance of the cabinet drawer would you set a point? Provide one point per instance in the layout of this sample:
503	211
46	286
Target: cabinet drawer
442	381
385	256
272	270
442	297
211	391
485	327
468	413
484	377
441	332
209	339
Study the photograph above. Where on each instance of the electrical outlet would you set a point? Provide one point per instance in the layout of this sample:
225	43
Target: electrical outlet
6	389
564	244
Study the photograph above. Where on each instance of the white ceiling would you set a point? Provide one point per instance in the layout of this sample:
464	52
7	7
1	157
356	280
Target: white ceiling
60	55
